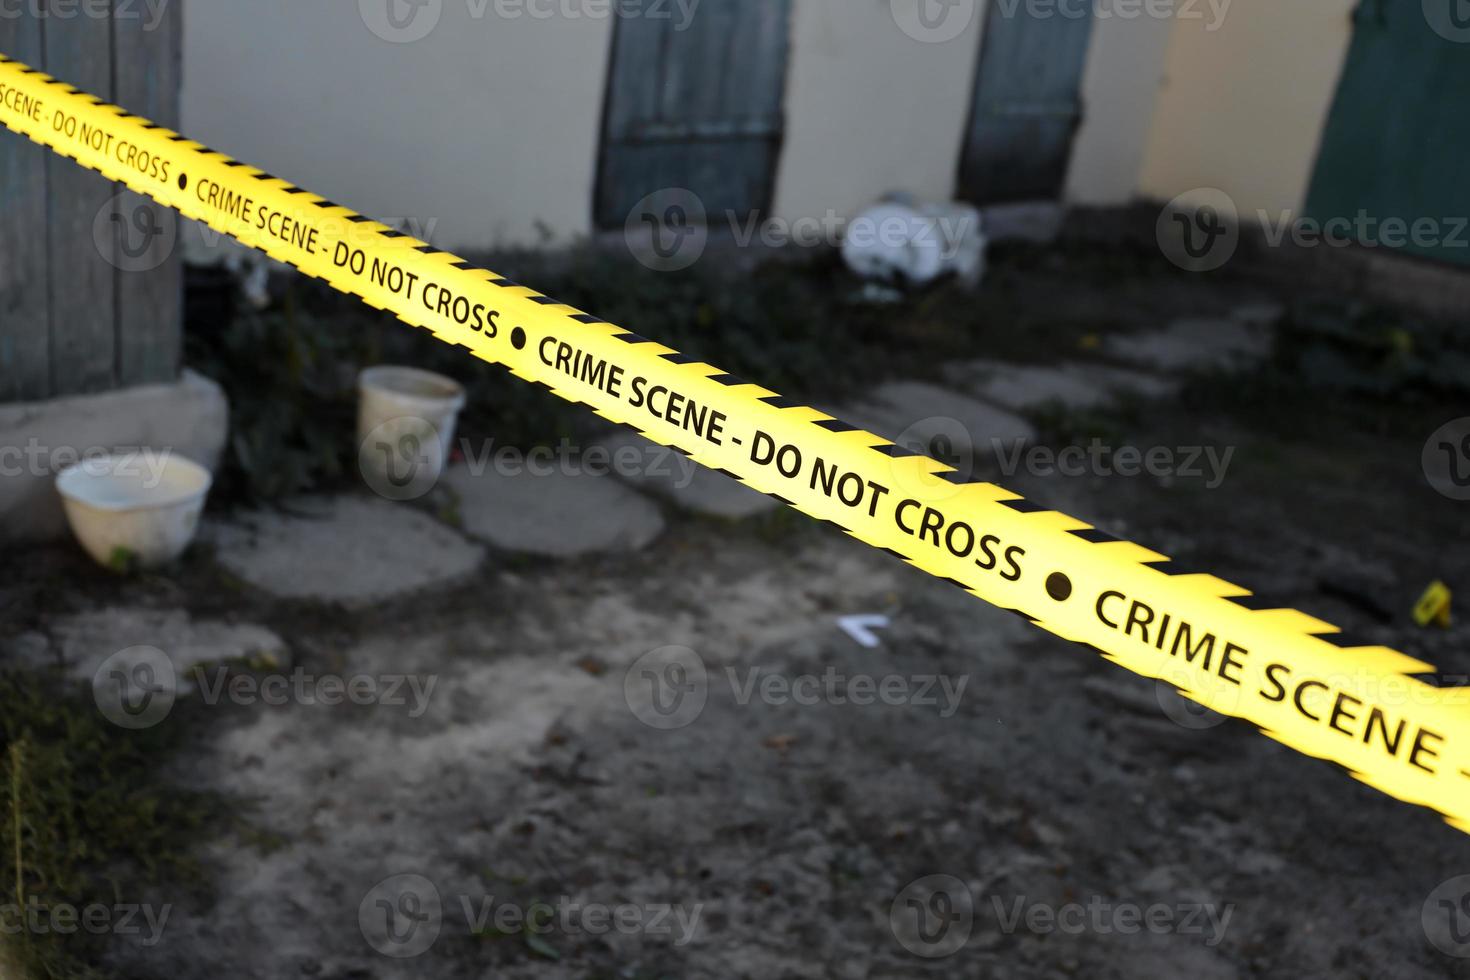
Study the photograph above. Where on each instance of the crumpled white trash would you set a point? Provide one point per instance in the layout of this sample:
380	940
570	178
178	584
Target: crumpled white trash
916	243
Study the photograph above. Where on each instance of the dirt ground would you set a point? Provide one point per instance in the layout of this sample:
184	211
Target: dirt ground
782	839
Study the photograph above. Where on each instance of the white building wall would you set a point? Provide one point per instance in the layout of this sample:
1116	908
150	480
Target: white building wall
487	126
485	130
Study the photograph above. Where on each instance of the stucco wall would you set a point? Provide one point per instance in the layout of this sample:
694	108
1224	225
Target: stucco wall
1242	108
870	109
308	92
486	128
1125	65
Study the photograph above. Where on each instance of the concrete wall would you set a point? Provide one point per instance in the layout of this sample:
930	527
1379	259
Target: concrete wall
1242	108
870	109
308	92
1235	101
1120	87
299	88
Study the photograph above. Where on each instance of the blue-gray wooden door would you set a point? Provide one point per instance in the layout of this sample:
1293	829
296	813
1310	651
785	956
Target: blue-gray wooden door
695	105
1027	101
90	279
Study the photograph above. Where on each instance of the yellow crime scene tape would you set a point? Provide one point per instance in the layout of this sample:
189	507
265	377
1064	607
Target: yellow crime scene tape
1279	669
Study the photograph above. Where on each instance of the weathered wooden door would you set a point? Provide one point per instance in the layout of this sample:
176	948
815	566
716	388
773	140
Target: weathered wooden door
695	104
90	285
1396	145
1027	101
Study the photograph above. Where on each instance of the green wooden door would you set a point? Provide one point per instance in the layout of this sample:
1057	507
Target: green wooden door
1396	149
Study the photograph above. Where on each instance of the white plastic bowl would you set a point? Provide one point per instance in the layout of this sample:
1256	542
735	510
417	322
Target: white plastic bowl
134	508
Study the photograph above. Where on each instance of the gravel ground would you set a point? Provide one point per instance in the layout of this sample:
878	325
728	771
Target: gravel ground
1019	808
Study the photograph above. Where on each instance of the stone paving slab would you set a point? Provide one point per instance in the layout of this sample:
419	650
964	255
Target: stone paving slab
352	549
952	427
1195	344
83	641
1022	387
684	482
558	514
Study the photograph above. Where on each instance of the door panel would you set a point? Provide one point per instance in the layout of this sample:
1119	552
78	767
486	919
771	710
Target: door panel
1027	103
1396	142
698	108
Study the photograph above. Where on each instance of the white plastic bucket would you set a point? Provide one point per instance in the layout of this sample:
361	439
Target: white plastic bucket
405	424
138	508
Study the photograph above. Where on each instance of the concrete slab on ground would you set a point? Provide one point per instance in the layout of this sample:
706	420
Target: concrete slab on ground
344	549
1195	344
945	424
84	641
1022	387
558	514
684	482
189	417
